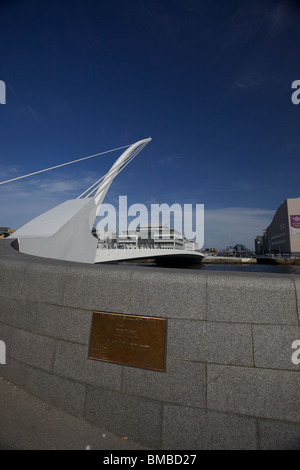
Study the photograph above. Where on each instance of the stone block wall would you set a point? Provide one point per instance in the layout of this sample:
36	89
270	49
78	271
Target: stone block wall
229	383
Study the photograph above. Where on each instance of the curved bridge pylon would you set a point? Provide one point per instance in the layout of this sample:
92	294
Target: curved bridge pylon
64	232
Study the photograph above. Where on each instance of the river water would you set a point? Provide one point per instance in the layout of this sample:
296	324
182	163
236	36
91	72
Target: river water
251	268
248	268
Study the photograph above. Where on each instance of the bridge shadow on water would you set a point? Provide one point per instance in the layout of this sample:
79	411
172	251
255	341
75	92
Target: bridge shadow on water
242	267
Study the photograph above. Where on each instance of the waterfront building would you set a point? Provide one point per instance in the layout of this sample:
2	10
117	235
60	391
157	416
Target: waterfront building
238	251
147	236
282	236
210	252
258	244
6	232
261	244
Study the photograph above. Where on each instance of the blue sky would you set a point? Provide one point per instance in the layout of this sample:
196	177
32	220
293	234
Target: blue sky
209	81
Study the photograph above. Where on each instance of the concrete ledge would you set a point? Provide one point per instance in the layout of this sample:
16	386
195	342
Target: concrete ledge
252	298
229	383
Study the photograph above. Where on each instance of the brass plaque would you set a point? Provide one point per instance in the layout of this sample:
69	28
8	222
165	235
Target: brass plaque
129	340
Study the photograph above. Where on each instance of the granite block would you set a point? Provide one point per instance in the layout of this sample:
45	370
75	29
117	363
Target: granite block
6	333
14	371
257	392
100	288
12	276
71	361
296	281
126	416
251	298
32	349
278	435
182	383
218	342
196	429
273	346
45	282
168	293
19	312
64	323
65	394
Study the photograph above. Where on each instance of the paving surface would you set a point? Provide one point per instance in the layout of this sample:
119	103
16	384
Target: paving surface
28	423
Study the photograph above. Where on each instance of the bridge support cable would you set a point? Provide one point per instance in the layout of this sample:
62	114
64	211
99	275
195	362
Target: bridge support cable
63	164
